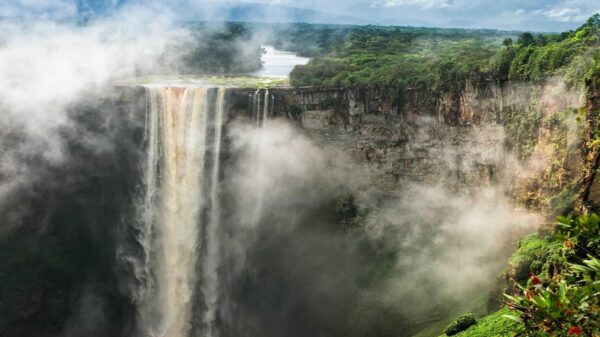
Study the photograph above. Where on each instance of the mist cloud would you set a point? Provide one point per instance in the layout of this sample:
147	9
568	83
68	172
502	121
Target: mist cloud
48	67
448	247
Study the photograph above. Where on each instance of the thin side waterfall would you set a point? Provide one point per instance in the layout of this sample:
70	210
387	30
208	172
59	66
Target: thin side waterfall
169	228
260	107
256	107
211	262
259	149
266	105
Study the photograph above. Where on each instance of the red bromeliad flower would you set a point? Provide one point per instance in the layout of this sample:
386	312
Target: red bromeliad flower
569	244
569	312
536	280
575	330
527	295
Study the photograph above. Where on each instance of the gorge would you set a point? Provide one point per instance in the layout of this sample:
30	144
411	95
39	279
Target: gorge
234	205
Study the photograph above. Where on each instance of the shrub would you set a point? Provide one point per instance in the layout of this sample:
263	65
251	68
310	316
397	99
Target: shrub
462	323
565	301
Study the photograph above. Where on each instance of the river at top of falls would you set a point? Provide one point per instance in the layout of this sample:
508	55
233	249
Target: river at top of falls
278	63
276	67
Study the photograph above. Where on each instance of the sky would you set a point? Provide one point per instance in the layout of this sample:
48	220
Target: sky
533	15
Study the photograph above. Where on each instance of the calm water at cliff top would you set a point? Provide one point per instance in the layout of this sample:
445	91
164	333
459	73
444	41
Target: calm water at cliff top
278	63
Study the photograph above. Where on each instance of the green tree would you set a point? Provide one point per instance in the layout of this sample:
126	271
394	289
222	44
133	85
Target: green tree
526	39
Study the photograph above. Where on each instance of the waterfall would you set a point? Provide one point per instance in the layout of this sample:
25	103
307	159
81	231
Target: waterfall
266	105
211	263
258	150
256	107
260	107
169	229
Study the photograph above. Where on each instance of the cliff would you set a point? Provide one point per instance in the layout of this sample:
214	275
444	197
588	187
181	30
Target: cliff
526	136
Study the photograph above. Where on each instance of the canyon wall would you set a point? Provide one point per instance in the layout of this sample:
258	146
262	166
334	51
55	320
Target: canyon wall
528	137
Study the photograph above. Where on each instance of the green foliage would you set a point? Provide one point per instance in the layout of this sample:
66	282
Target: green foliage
565	199
583	231
492	325
522	129
462	323
567	301
532	255
319	72
438	59
555	120
526	39
592	75
535	59
392	56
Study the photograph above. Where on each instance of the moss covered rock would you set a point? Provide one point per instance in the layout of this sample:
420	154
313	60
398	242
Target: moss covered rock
462	323
493	325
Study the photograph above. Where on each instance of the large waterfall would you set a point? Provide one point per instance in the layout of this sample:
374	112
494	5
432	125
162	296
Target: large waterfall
179	210
179	220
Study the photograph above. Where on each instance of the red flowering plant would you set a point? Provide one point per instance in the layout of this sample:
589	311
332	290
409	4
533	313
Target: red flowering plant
566	302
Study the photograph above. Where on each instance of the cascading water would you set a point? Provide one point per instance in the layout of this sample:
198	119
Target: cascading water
179	210
259	148
211	262
170	229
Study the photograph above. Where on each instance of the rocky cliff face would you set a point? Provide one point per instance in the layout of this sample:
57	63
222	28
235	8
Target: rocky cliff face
589	149
523	135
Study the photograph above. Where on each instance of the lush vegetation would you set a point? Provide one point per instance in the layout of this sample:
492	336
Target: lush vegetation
494	325
533	253
385	56
462	323
564	299
440	59
556	285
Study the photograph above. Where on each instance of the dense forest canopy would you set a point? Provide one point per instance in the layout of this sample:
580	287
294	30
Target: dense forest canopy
437	58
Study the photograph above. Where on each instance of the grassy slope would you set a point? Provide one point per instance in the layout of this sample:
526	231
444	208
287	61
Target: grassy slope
493	325
532	249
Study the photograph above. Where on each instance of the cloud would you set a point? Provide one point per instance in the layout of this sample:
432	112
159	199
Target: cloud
426	4
48	67
540	15
45	66
566	14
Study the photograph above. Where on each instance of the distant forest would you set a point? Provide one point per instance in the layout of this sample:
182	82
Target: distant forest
387	56
437	59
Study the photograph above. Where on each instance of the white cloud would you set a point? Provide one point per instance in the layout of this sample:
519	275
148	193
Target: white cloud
46	67
566	14
426	4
